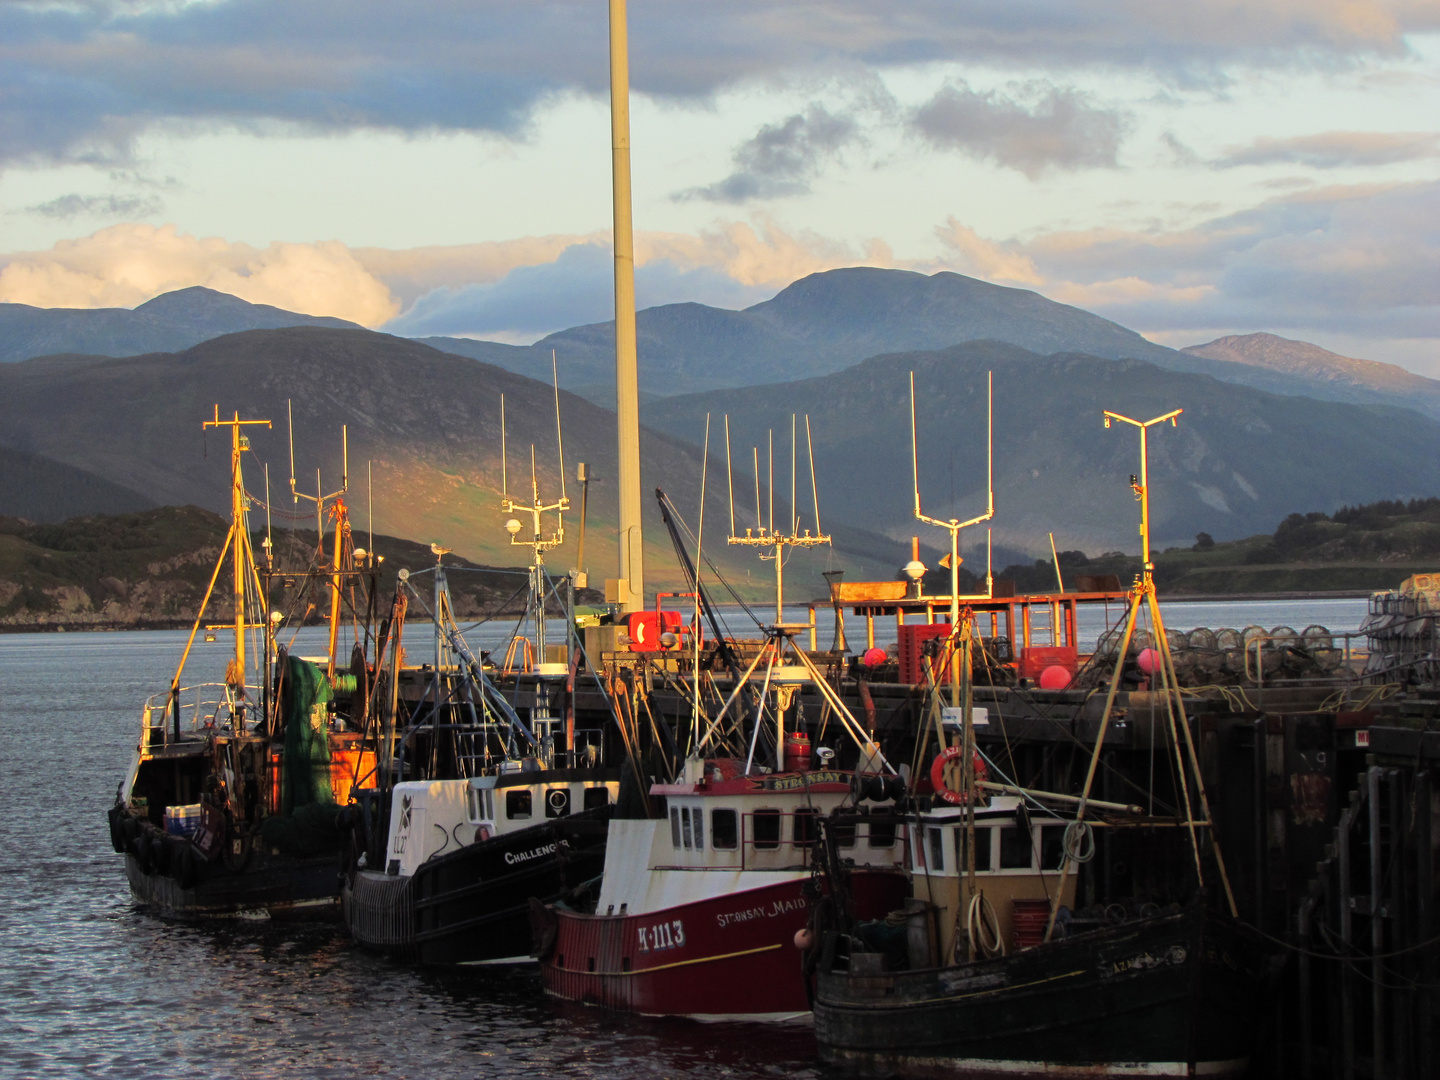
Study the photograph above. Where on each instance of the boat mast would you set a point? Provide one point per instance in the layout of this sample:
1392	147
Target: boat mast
631	586
241	558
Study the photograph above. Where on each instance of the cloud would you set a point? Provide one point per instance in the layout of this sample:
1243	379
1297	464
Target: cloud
512	289
79	82
575	289
1336	149
973	255
781	159
73	206
126	265
1361	260
1058	129
733	266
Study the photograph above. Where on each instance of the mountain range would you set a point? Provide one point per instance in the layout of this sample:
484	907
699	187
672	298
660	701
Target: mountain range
1344	377
168	323
1236	462
836	345
423	426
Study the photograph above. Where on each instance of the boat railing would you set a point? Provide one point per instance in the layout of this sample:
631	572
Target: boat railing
201	708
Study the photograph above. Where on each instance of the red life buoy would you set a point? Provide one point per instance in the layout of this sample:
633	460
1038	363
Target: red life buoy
937	775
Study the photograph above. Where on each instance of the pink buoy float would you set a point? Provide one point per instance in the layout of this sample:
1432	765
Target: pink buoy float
1149	661
1055	677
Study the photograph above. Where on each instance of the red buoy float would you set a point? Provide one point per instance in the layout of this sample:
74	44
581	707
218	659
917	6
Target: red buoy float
937	775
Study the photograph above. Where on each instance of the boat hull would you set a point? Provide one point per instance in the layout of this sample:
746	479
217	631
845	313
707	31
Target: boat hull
1174	995
270	885
724	957
472	906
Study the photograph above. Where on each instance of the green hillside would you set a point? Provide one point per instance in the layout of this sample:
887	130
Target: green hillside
1361	548
150	569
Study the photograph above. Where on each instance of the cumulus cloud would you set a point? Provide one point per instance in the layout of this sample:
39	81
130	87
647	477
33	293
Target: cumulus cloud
1336	149
1047	127
974	255
72	206
126	265
79	81
782	159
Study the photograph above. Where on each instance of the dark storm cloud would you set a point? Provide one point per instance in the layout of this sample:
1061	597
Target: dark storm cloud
78	81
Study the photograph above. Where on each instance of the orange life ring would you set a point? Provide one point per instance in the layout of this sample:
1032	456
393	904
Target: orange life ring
937	775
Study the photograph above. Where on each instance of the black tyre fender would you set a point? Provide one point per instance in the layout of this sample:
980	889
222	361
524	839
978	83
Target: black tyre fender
186	867
159	856
117	833
175	849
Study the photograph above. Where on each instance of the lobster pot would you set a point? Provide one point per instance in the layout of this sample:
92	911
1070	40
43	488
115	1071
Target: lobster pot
182	820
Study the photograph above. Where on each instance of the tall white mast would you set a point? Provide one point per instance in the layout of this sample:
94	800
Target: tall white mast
627	386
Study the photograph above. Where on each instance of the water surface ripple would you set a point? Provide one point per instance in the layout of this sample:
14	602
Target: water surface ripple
90	986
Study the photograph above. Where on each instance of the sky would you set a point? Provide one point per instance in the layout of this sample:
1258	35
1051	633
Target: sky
435	167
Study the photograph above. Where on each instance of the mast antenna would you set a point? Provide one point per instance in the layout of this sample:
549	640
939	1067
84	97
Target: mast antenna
729	478
790	536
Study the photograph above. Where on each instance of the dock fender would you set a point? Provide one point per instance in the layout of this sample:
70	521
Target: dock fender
175	849
117	832
186	867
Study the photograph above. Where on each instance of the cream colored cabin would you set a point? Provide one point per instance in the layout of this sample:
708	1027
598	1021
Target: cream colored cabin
1012	863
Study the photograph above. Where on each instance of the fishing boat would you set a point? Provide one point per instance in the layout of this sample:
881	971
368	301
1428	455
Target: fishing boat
993	971
704	893
232	800
488	795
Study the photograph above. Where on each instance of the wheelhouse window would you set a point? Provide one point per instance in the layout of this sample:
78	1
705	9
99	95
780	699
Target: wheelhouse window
697	818
806	827
685	830
675	827
937	848
473	804
844	829
518	804
982	849
596	797
882	834
766	824
1016	848
724	830
1052	846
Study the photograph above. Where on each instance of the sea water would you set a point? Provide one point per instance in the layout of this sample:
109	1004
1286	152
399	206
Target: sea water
91	986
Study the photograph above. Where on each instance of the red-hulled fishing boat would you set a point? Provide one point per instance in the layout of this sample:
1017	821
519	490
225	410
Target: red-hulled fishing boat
699	910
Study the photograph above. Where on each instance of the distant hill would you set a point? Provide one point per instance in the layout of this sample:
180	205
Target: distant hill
168	323
821	324
429	423
1324	374
41	490
828	321
1356	548
150	569
1238	457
